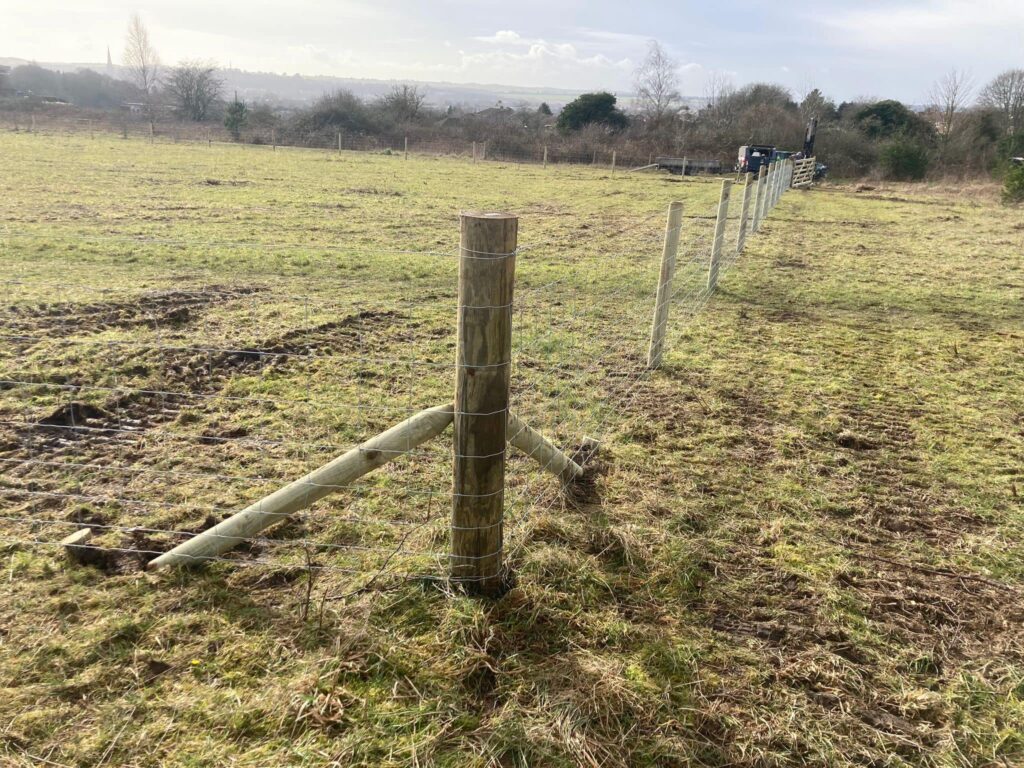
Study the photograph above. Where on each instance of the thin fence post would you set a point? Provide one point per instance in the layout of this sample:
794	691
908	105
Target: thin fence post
545	155
487	265
273	139
769	191
339	142
683	172
762	177
664	297
613	162
716	244
406	147
474	151
741	238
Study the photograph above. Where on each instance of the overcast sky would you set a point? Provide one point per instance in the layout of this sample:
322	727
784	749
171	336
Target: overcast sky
849	48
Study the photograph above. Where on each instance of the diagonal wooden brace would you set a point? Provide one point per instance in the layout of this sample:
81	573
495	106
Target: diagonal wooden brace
345	469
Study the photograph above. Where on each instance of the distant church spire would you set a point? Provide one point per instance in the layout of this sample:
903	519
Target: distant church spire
110	62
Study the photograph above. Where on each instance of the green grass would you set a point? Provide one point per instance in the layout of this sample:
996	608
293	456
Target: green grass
803	545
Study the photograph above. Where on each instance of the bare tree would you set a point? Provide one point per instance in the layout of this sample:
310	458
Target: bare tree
403	103
195	88
816	104
948	96
718	93
1005	94
140	57
657	85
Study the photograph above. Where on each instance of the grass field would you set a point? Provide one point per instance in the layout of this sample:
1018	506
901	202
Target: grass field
803	545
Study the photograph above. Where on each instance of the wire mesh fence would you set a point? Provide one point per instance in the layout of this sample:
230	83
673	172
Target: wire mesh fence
148	405
485	143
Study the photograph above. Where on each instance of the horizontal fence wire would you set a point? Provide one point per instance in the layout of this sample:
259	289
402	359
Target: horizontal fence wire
148	408
483	143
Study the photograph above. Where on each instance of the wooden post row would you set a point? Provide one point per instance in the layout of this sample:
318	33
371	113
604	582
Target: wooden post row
487	262
716	245
741	237
664	295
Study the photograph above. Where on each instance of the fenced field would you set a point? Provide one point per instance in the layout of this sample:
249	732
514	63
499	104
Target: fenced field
798	539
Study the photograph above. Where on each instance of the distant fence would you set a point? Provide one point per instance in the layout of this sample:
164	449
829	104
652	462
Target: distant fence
187	440
550	149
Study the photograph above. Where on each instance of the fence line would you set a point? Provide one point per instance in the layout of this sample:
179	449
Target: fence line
104	446
540	150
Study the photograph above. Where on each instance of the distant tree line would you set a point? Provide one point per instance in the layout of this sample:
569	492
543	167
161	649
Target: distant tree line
963	130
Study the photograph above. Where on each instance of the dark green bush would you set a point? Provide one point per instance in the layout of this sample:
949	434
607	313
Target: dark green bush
592	109
904	160
1013	185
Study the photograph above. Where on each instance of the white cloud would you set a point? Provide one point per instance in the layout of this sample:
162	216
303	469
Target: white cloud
504	37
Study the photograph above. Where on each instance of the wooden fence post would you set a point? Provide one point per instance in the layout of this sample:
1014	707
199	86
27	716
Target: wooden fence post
273	139
762	177
406	147
664	297
339	142
768	184
716	244
741	238
545	155
683	172
487	264
613	162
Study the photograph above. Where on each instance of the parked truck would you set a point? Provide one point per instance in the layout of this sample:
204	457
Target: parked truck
753	156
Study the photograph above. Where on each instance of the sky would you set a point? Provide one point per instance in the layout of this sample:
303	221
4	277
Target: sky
848	48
